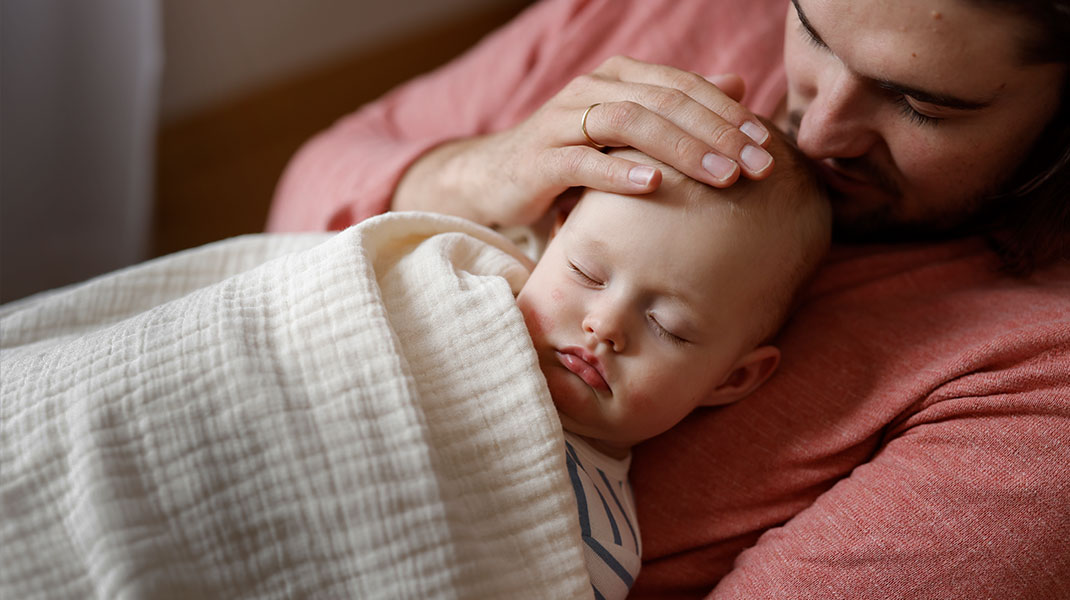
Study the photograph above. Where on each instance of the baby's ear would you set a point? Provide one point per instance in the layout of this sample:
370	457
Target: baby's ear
749	372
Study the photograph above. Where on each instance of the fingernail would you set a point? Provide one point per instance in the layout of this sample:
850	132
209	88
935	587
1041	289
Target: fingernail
641	175
755	158
754	131
718	166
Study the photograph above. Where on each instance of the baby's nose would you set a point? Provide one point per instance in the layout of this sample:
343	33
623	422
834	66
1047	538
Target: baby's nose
606	329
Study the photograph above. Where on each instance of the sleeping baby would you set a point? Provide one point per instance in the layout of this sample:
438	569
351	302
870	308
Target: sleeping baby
643	308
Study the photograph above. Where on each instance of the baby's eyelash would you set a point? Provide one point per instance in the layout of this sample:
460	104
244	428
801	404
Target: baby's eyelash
585	277
911	113
665	333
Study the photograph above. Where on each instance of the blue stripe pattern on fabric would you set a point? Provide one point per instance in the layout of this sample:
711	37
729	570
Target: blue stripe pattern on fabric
577	488
571	452
605	507
584	517
624	513
610	561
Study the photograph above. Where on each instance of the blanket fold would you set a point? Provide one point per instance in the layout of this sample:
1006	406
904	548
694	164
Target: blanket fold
350	415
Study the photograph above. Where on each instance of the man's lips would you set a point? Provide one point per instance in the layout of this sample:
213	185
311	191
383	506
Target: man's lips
840	178
854	181
585	365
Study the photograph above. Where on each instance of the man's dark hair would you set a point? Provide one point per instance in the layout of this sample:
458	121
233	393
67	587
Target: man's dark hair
1035	231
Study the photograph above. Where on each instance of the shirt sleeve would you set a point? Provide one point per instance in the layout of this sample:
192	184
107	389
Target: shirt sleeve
348	172
966	499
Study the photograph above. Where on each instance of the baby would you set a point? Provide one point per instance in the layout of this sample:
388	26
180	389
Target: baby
643	308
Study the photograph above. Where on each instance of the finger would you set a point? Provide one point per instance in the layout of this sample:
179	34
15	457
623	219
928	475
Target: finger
572	166
729	83
696	119
724	103
631	124
697	87
722	135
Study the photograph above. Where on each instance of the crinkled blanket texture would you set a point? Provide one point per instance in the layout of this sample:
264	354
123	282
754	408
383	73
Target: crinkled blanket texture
355	415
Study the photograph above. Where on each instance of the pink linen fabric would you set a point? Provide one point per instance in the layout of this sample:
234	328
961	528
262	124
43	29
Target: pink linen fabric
914	442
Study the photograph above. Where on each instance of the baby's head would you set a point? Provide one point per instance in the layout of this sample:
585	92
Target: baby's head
644	308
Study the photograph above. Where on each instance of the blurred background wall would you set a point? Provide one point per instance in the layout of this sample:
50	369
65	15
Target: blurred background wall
135	128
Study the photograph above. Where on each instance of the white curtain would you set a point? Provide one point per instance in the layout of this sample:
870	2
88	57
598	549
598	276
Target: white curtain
79	89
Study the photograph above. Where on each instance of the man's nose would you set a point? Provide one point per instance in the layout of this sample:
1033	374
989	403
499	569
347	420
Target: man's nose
839	120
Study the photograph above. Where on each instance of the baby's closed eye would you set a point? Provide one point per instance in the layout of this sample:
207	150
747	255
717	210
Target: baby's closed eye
583	276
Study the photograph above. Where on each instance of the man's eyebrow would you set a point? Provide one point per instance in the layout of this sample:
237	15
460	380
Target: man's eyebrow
945	100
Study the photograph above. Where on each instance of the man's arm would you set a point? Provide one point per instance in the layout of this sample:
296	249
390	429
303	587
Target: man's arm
497	131
349	172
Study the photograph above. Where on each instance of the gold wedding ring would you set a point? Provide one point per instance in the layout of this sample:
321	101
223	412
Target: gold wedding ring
583	127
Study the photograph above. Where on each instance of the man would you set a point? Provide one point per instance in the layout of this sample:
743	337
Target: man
914	441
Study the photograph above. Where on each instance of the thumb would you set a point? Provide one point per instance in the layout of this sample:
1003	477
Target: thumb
729	83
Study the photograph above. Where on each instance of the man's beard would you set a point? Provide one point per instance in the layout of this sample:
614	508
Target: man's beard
881	225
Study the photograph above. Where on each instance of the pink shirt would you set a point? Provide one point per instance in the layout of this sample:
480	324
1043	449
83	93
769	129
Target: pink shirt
914	442
348	173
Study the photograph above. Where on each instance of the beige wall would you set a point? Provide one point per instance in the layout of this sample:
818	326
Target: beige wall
215	50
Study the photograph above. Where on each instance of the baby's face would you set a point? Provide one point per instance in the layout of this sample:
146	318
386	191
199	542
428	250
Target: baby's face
639	310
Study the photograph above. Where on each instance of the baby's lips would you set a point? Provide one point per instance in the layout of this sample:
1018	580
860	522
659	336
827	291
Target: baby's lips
588	372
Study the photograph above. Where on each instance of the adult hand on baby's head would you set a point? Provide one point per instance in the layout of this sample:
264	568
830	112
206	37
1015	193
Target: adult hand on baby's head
677	117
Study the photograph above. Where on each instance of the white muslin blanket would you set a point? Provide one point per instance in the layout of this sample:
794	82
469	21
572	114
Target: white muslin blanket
358	415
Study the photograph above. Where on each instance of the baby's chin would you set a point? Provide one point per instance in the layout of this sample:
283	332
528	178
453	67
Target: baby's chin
571	396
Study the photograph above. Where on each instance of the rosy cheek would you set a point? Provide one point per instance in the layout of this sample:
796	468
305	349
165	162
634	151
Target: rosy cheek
639	392
544	322
537	323
639	401
646	394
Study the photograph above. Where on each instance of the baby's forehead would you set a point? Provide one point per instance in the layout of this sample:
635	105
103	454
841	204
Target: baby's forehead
705	267
690	238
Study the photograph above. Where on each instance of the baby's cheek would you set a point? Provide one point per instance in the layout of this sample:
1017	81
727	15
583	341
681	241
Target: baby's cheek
640	401
639	395
646	398
557	295
537	322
